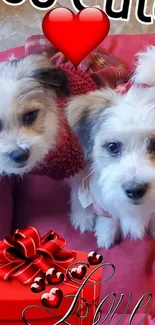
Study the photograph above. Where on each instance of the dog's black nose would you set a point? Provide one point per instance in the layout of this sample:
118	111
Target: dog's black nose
20	155
135	190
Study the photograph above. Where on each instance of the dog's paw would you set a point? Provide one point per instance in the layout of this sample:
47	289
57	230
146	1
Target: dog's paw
83	221
84	225
104	241
106	232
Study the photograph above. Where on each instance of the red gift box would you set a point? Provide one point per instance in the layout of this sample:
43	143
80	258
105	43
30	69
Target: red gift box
25	256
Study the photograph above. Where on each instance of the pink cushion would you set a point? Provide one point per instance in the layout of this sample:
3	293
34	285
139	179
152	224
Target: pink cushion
126	46
44	204
6	206
17	52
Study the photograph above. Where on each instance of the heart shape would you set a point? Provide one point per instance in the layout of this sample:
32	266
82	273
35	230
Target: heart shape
52	299
53	277
76	35
38	285
79	272
94	258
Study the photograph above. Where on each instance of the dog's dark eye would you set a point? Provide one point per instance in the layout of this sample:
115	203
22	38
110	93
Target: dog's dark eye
114	148
151	146
30	117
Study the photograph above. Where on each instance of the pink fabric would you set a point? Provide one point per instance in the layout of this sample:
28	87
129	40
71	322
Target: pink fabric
41	202
125	321
6	206
123	89
126	46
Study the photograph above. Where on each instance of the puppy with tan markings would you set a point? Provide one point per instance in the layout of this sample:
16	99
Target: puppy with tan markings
115	194
28	116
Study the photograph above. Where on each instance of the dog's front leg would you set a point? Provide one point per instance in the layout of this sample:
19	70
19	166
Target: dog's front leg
134	226
82	219
107	232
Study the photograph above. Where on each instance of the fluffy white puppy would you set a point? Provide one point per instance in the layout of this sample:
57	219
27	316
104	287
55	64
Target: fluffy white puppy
115	194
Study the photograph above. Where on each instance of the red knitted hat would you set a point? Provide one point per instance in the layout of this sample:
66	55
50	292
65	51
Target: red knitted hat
67	158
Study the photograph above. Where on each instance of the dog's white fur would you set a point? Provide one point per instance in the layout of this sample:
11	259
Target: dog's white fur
129	119
27	85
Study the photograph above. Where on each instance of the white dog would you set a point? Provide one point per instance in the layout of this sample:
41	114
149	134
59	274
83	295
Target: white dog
115	194
29	120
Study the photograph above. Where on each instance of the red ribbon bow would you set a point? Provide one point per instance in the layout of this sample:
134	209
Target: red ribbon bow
26	255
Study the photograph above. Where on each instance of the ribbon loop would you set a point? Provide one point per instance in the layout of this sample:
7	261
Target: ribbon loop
26	255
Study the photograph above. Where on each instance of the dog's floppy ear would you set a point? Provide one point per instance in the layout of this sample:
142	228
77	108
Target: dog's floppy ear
83	113
90	105
54	78
40	68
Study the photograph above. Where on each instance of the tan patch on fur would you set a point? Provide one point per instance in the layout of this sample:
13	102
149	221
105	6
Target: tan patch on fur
90	103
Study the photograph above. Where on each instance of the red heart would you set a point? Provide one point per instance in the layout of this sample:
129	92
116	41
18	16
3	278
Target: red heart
54	277
78	272
38	285
76	35
94	258
52	299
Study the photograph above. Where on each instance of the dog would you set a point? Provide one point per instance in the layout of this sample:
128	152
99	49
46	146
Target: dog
29	120
114	195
